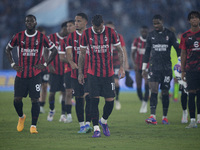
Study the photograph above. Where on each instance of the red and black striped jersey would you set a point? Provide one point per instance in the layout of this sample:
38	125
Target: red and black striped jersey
30	51
190	41
73	41
100	50
60	45
116	61
138	45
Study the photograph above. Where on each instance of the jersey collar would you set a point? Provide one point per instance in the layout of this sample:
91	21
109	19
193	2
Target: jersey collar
30	35
101	31
142	39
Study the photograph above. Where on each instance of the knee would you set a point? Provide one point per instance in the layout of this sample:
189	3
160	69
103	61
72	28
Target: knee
165	92
17	99
33	100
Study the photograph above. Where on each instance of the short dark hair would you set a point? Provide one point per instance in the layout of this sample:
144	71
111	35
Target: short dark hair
97	20
195	13
71	21
64	24
30	15
83	15
157	17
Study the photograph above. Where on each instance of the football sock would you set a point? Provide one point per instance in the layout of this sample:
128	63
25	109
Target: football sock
184	100
87	108
198	102
146	95
79	109
35	111
94	110
165	103
63	107
103	120
153	102
139	93
52	105
42	104
18	107
117	92
176	90
107	109
96	128
191	105
68	108
81	124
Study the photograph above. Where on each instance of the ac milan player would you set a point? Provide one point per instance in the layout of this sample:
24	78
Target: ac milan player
99	40
30	45
44	75
190	65
56	69
138	50
157	53
73	51
116	65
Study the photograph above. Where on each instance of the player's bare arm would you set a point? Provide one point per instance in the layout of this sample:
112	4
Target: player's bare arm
122	61
69	58
11	60
126	58
81	62
183	63
54	52
133	53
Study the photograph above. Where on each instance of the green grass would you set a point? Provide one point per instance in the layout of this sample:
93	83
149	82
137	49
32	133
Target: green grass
127	126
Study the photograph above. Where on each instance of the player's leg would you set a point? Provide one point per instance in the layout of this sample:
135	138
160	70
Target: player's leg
184	105
198	106
117	89
176	90
138	78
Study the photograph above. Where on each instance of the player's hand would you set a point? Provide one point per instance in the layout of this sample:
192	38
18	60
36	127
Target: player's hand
144	74
18	68
73	65
183	76
51	68
81	78
121	73
39	66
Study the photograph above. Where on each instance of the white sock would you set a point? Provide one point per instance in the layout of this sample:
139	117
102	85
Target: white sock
22	116
185	111
154	116
82	124
33	126
193	119
69	115
103	121
96	128
87	123
164	117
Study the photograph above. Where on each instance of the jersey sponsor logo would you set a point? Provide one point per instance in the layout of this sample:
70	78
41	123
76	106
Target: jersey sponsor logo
160	47
100	48
29	52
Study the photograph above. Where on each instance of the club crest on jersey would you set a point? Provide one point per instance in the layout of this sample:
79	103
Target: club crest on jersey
106	39
167	38
196	44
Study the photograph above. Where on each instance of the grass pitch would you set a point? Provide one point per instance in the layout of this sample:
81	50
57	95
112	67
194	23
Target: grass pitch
127	126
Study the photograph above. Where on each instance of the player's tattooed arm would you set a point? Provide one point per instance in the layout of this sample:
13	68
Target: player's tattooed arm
122	61
81	62
69	58
11	60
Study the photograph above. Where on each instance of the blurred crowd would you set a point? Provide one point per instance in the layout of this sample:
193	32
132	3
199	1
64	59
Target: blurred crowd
128	16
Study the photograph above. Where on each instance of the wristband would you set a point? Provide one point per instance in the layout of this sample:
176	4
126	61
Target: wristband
45	64
144	66
12	64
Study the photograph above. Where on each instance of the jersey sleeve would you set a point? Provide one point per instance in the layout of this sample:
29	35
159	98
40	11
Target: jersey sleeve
115	38
175	44
182	43
69	41
13	42
48	43
84	41
121	38
147	50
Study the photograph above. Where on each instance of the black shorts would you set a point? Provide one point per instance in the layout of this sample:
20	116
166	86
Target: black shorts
163	77
56	82
78	88
116	71
101	86
85	86
67	80
193	80
45	76
25	86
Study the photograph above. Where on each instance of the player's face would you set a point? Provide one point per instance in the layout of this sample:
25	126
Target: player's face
70	27
194	20
98	29
158	24
30	23
144	33
80	23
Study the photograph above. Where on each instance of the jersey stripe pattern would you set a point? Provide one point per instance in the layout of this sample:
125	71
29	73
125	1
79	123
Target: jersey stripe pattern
190	41
73	41
30	51
115	52
100	50
139	45
60	45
